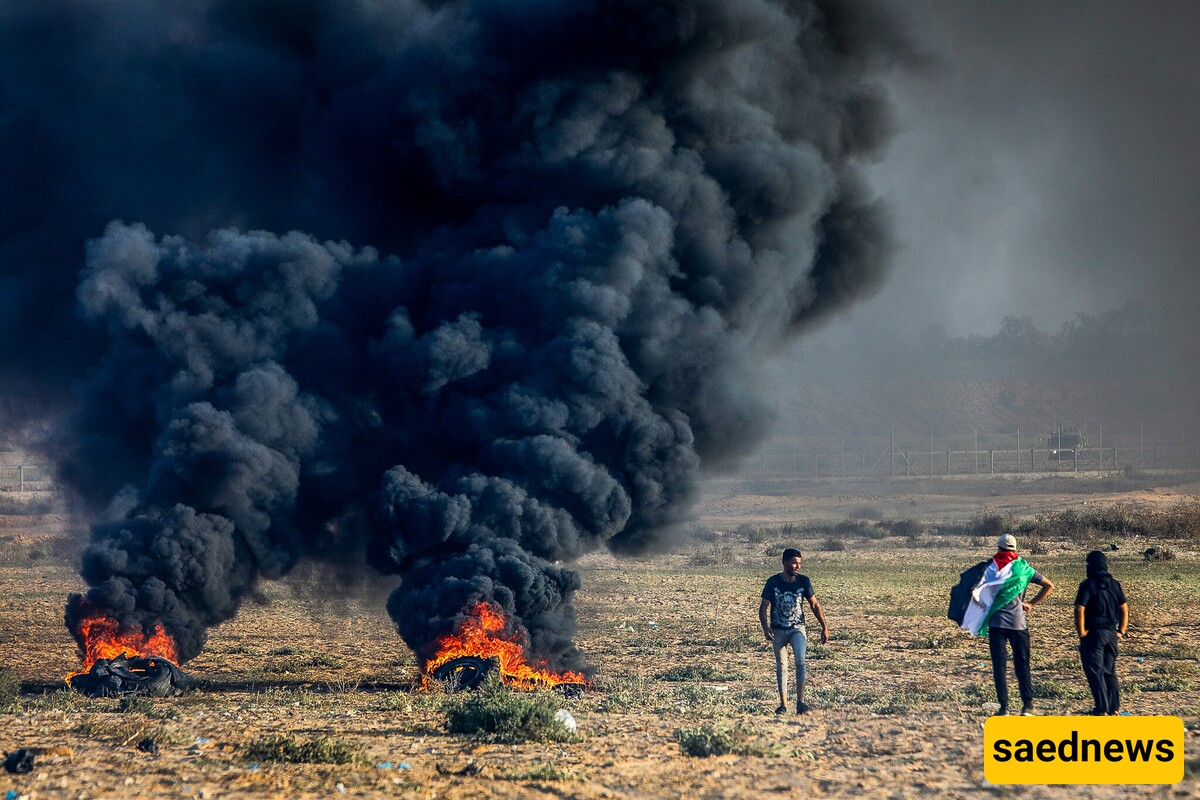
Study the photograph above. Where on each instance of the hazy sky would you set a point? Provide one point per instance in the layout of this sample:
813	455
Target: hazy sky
1045	163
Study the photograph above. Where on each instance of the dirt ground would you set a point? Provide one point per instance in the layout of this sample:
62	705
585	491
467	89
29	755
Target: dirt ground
899	696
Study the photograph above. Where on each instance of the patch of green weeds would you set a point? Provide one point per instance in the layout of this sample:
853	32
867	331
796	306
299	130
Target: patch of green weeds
292	750
1182	669
892	705
135	704
633	691
1173	653
504	715
390	701
322	661
702	672
62	700
702	700
1050	689
946	642
543	771
708	740
739	643
818	652
125	730
10	691
284	696
1163	684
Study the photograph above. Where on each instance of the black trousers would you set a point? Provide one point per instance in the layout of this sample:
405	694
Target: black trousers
1098	652
997	638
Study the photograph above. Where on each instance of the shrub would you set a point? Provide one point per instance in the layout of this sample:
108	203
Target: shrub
10	690
720	740
289	749
701	672
832	545
991	526
545	771
1169	683
754	535
909	528
508	716
712	556
1054	690
135	704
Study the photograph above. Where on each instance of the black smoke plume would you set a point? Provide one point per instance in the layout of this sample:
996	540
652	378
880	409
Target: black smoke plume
535	252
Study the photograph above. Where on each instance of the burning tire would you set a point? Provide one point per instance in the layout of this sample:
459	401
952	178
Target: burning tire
153	676
465	672
571	691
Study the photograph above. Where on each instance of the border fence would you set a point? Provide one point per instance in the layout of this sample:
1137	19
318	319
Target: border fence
976	453
25	478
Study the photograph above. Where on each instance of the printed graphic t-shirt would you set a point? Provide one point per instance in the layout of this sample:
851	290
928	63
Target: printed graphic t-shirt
787	600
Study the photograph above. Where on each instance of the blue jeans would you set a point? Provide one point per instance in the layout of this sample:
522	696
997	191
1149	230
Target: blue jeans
798	639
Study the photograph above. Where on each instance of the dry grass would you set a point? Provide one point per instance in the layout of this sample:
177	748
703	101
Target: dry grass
898	694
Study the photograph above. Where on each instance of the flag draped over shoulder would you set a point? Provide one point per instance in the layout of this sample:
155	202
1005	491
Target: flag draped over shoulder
1001	582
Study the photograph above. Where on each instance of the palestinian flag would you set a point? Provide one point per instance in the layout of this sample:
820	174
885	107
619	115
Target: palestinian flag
1004	579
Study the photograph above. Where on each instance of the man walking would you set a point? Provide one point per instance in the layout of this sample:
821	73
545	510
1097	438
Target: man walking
782	616
998	608
1101	617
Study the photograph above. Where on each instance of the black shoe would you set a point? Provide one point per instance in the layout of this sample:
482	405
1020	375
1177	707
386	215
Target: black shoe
1027	711
782	709
801	708
1002	711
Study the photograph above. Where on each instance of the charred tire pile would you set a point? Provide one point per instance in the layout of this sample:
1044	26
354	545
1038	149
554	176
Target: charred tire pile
155	677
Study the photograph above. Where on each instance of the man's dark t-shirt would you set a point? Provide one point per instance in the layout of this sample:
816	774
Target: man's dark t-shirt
1101	603
787	600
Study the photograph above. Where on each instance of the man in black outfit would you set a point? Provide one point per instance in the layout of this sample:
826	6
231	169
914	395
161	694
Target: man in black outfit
1101	617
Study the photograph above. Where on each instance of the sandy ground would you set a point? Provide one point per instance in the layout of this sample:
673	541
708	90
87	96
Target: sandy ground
897	695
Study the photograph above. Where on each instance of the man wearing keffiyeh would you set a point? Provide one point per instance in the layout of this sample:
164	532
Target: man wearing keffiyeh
998	608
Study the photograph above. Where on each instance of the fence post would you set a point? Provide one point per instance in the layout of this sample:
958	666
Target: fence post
21	472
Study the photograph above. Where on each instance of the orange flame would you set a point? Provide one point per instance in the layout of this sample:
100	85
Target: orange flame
103	638
483	635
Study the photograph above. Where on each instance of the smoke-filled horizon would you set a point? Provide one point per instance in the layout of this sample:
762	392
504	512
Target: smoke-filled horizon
1043	167
468	288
